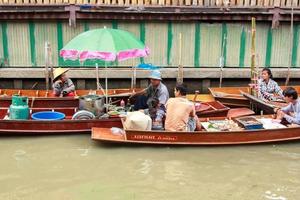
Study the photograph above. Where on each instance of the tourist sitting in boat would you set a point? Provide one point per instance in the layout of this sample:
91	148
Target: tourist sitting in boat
156	89
292	111
268	89
156	113
181	113
62	86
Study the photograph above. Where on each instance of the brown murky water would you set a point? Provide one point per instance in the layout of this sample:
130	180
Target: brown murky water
76	168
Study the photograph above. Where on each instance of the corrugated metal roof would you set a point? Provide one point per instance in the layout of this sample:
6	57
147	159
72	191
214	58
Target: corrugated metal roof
247	60
261	44
46	33
281	46
100	24
187	44
18	44
234	32
156	40
211	40
272	46
1	43
297	55
69	32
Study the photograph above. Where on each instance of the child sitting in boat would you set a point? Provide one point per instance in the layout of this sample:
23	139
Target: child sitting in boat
156	113
268	89
62	86
181	113
292	111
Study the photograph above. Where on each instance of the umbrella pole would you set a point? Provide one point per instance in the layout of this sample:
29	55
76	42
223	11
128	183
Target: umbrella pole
106	92
97	76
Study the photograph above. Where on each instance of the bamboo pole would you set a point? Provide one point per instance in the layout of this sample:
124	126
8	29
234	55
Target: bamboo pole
50	63
253	73
291	48
46	65
180	67
221	64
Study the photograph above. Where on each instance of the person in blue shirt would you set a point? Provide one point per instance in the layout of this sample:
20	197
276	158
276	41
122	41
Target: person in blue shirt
156	89
291	112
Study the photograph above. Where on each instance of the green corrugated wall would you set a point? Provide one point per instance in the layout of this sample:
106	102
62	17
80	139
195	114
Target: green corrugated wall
23	44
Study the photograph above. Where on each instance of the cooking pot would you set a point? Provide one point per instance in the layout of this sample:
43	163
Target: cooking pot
92	103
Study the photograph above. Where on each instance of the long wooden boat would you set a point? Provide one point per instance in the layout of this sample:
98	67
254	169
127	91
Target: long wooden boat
40	127
232	97
198	137
266	106
45	99
212	109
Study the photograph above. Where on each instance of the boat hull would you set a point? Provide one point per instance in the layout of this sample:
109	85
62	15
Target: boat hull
39	127
199	137
44	99
232	97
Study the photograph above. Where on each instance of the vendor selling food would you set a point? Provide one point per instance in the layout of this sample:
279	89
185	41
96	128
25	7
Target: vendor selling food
155	90
62	86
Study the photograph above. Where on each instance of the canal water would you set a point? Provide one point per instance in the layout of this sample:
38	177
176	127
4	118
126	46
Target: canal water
76	168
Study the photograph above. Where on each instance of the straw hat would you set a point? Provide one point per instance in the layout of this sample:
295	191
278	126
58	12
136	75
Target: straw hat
155	74
59	71
137	121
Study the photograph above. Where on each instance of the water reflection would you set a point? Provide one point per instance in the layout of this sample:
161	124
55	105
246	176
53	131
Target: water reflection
74	167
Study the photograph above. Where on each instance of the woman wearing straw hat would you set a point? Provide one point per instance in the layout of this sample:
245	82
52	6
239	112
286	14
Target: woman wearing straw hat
62	86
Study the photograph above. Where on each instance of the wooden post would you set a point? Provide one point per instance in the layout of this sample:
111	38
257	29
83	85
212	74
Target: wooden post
47	65
291	48
221	64
253	73
180	67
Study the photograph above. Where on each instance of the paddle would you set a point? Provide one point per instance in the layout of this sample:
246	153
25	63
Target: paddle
223	94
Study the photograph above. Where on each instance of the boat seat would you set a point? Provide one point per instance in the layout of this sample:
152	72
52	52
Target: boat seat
239	112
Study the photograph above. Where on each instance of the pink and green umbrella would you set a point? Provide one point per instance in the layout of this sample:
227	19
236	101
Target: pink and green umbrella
104	44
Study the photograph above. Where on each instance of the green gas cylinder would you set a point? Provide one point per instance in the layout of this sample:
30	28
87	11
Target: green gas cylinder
19	108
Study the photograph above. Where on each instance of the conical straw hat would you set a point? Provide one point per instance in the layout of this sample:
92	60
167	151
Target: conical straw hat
59	71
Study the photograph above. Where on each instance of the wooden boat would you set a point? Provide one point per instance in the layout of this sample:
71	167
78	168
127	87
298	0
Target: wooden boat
200	97
45	99
198	137
40	127
266	106
232	97
212	109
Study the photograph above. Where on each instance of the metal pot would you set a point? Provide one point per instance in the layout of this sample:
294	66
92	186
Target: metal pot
92	103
